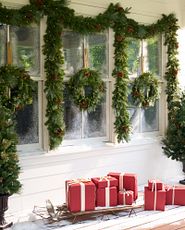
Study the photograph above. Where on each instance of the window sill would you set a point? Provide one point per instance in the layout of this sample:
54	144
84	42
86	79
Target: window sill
94	147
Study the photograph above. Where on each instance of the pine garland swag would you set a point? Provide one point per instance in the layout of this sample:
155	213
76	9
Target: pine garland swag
54	81
120	93
86	78
114	17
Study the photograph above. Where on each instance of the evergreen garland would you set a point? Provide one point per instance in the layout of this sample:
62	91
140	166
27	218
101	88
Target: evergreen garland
174	141
54	86
120	93
59	16
16	91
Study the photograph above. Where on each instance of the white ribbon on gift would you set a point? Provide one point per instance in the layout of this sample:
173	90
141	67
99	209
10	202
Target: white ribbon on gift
82	196
107	196
82	182
173	195
125	193
121	176
154	189
107	178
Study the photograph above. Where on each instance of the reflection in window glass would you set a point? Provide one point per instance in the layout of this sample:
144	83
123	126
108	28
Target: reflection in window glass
133	54
98	53
72	118
2	44
135	119
27	123
73	52
150	118
83	124
153	55
96	121
25	48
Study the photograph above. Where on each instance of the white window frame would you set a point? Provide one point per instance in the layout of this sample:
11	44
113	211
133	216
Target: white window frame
98	141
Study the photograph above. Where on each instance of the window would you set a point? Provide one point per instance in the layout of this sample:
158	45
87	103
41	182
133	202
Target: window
83	124
25	48
144	56
2	44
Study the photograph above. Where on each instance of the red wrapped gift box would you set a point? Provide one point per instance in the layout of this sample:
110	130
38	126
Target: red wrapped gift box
154	200
80	195
175	195
155	184
127	181
125	197
106	181
106	197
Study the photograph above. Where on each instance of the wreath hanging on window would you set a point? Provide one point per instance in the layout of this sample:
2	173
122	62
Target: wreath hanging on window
145	90
16	87
86	89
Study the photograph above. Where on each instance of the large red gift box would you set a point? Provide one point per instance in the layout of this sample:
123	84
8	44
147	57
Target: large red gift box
155	184
154	200
175	195
106	197
106	181
80	195
126	181
125	197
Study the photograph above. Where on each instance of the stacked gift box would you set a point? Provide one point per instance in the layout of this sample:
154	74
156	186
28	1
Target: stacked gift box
154	196
157	195
80	195
107	191
175	195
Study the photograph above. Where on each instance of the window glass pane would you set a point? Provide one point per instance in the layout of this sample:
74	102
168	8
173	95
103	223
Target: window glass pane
135	119
73	52
27	123
95	124
133	52
98	53
25	48
150	118
2	44
153	55
83	124
72	118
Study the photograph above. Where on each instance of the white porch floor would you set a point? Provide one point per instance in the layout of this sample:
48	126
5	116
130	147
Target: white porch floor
171	218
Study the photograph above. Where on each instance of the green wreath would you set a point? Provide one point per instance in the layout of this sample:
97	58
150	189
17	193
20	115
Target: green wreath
145	90
86	89
16	87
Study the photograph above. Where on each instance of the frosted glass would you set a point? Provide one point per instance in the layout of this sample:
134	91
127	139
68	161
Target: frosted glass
2	44
27	123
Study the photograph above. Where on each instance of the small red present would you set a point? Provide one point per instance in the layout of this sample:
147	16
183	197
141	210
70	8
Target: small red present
154	200
125	197
80	195
175	195
155	184
127	181
106	181
106	197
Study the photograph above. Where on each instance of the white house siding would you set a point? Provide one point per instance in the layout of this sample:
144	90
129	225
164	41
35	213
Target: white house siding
43	174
